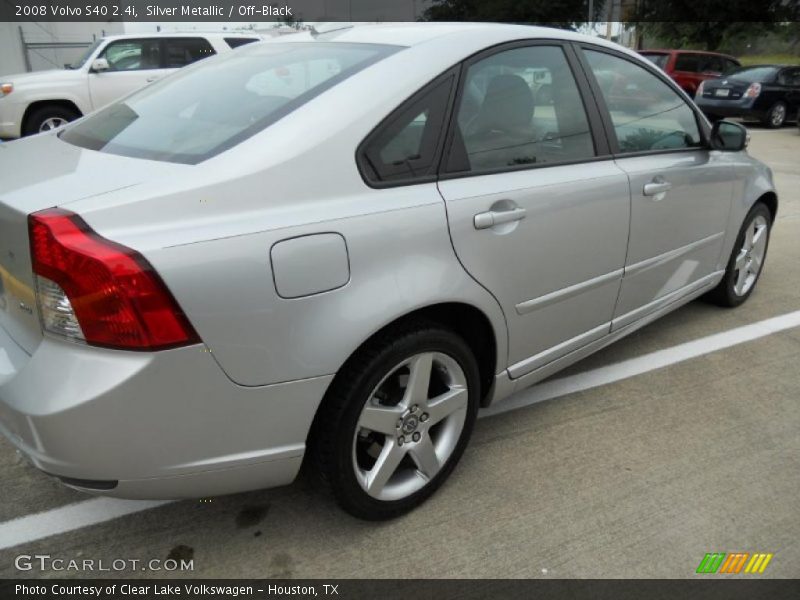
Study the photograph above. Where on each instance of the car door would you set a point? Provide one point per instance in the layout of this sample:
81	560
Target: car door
790	79
680	190
132	64
538	210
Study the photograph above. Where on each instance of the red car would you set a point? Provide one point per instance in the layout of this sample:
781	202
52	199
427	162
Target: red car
691	67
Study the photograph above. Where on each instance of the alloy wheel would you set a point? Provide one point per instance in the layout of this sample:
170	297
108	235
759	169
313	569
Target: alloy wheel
778	115
52	123
750	258
410	426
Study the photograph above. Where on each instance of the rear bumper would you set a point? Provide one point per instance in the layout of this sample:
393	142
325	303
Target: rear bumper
162	425
730	108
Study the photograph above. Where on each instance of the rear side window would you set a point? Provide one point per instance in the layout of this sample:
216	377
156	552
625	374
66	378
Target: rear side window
236	42
687	62
184	51
208	108
646	113
405	146
520	107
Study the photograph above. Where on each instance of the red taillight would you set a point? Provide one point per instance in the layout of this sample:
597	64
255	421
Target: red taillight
117	298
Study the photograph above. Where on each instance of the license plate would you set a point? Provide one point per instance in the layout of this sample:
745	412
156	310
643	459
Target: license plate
722	92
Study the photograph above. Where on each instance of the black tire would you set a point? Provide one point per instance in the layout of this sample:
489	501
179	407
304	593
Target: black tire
724	294
772	118
38	117
330	444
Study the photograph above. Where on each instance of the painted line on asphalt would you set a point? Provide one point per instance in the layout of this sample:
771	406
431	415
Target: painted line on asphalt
69	518
31	528
643	364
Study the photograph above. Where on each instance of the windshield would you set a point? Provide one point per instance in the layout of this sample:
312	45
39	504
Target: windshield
760	74
85	56
214	105
660	60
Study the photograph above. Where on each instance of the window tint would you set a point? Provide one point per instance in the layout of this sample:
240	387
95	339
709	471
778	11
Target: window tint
184	51
646	113
236	42
133	55
405	146
711	64
179	120
660	60
790	77
687	62
520	107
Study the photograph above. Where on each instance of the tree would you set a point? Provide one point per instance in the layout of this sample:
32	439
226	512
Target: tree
566	14
682	23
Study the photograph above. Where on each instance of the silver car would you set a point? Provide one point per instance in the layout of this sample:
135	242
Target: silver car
339	246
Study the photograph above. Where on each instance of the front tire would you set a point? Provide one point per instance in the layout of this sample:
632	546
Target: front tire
396	420
49	117
747	259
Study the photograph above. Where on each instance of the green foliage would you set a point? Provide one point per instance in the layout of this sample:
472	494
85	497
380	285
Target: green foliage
698	24
566	14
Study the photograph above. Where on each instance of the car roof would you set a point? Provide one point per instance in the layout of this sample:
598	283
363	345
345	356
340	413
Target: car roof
413	34
190	34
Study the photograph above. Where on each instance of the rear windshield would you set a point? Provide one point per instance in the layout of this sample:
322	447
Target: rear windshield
208	108
760	74
660	60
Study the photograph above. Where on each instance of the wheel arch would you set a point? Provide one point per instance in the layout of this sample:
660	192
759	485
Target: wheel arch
36	105
467	321
771	200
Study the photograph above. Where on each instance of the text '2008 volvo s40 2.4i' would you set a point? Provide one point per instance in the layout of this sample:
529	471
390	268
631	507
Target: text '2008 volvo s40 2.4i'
339	246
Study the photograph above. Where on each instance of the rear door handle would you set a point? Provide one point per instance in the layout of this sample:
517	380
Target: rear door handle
656	187
490	218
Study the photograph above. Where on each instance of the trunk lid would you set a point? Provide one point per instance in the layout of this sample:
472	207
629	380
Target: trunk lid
37	173
725	89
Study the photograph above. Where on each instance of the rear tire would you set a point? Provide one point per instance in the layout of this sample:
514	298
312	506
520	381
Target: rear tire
355	442
747	259
48	117
776	116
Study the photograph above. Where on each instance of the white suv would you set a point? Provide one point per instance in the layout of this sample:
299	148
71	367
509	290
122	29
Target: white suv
111	68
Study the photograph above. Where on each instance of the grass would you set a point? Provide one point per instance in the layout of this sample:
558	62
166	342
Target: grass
770	59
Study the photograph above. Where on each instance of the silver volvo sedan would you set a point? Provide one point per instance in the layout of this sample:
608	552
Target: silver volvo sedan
338	246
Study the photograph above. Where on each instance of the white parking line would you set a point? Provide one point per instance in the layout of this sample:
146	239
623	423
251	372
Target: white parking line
69	518
35	527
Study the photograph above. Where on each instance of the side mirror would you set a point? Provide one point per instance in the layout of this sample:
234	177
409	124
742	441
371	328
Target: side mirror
99	65
729	136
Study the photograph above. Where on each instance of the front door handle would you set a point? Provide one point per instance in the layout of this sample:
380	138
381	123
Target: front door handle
490	218
656	187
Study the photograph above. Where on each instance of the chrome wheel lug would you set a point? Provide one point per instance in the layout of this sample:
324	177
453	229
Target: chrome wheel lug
414	408
423	417
401	440
399	423
416	436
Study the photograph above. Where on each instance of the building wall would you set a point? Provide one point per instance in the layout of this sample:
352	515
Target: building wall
47	45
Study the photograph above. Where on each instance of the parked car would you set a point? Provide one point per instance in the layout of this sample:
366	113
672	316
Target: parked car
111	68
767	93
215	277
689	68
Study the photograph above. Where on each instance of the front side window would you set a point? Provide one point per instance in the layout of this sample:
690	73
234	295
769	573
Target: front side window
184	51
520	107
133	55
210	107
646	113
85	56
